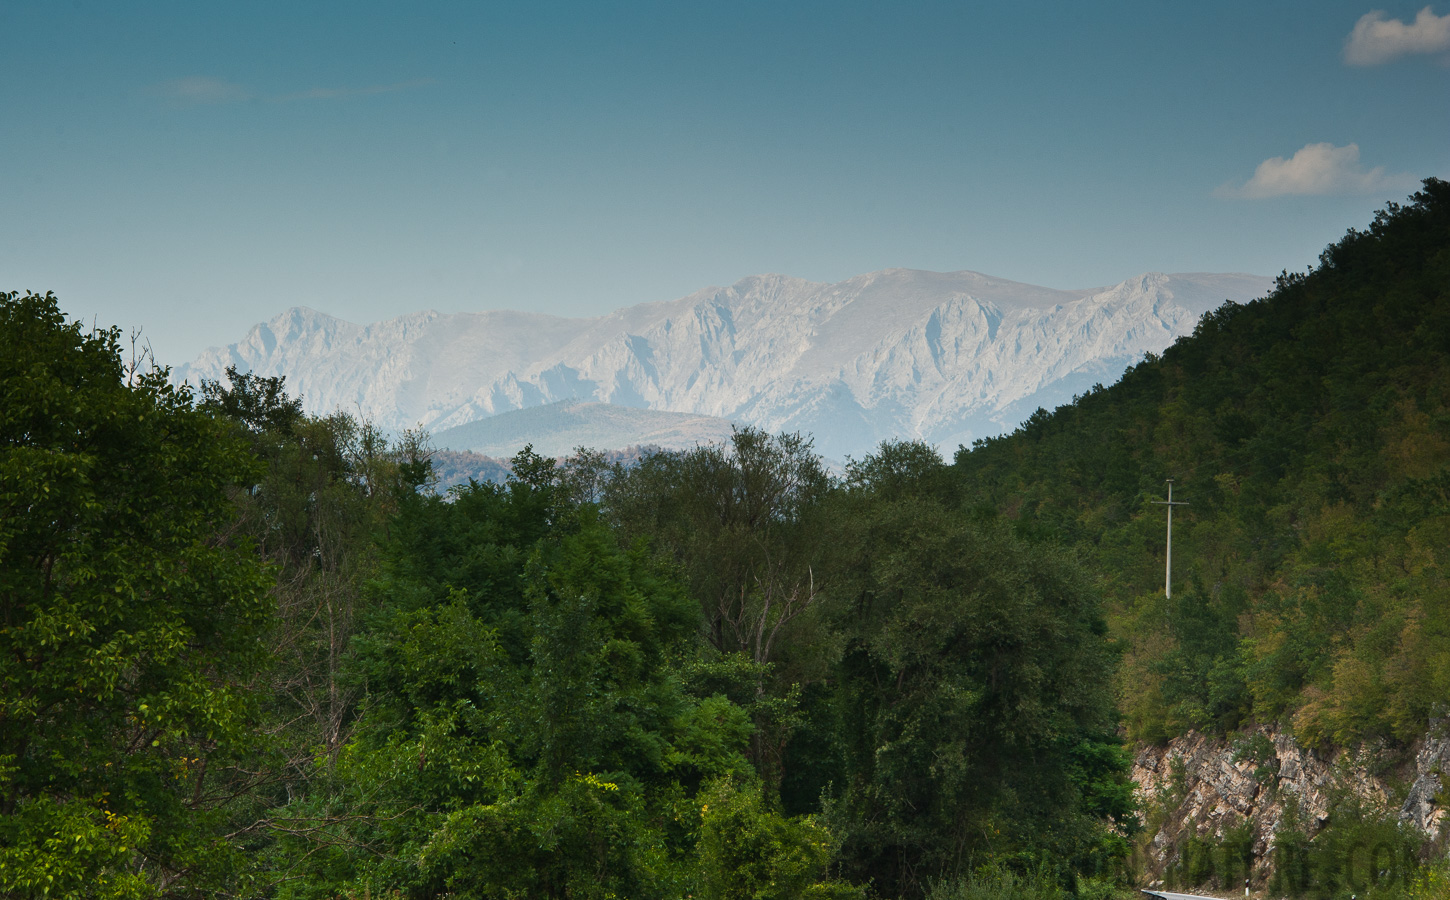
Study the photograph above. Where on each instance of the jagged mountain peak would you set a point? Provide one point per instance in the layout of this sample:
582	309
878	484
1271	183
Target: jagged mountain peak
940	356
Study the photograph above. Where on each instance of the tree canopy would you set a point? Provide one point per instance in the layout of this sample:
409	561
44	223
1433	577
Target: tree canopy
130	626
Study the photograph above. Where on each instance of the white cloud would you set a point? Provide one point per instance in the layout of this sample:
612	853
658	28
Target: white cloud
334	93
199	89
1314	169
1377	40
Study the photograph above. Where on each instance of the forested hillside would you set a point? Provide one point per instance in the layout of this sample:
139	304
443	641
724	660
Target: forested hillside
246	652
1310	431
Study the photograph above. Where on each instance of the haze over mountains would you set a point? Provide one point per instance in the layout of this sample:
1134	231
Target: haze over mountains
942	357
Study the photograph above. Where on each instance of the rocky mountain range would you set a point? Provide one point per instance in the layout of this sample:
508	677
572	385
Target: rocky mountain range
942	357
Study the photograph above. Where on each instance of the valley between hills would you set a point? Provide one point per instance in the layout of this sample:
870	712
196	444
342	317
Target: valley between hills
248	648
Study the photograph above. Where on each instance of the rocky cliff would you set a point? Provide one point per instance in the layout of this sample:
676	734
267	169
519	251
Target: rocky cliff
1208	788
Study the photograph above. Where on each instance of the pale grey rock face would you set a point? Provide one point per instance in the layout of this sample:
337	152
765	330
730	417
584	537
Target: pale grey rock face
1200	790
1421	807
940	357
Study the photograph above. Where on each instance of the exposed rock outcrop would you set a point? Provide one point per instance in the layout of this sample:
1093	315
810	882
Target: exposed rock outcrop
1205	787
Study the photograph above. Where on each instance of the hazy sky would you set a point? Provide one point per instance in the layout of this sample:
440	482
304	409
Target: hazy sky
193	169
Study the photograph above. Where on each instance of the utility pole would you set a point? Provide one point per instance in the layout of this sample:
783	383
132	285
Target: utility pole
1168	568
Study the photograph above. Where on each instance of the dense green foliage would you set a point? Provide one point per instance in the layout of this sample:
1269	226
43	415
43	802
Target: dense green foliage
129	623
929	683
1310	431
531	729
974	669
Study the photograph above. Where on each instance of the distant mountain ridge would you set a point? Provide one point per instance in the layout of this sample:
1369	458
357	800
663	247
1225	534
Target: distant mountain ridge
943	357
557	429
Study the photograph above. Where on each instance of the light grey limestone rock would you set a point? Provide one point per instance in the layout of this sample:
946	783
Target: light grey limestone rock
1199	790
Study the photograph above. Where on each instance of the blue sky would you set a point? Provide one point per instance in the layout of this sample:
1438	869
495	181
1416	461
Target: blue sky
191	169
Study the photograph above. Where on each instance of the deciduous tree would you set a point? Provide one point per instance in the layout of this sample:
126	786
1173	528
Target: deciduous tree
129	624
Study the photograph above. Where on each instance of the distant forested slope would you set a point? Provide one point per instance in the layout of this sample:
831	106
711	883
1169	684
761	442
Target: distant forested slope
1310	431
